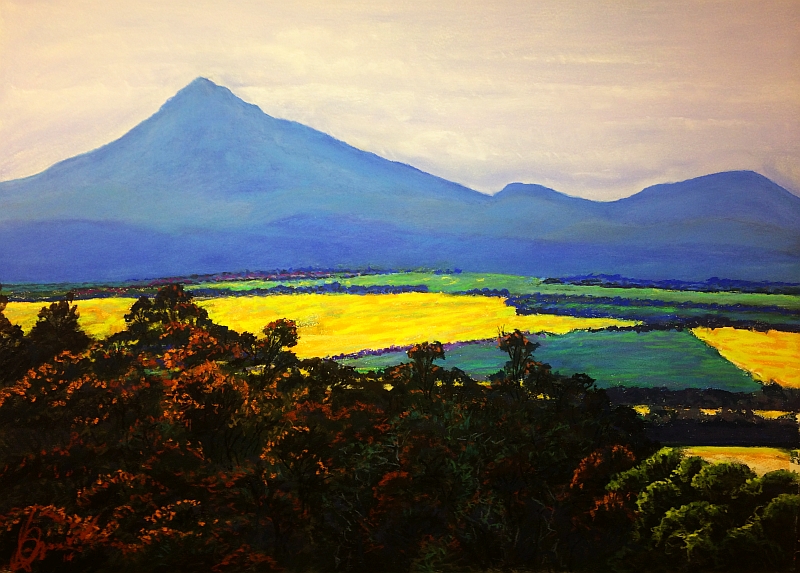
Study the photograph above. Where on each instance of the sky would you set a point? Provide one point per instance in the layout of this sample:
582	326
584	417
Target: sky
593	98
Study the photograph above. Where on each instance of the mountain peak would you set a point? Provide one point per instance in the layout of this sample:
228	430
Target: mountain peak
202	86
201	93
730	195
201	81
534	191
724	187
211	182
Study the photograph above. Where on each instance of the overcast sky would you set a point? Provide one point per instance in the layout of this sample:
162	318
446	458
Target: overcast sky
596	99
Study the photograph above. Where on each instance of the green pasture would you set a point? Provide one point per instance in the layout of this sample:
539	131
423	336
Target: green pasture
649	305
519	285
460	282
654	314
671	359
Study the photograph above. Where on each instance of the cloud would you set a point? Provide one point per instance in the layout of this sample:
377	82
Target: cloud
594	99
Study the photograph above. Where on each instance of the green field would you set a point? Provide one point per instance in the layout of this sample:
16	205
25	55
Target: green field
661	357
661	308
675	360
446	283
519	285
662	315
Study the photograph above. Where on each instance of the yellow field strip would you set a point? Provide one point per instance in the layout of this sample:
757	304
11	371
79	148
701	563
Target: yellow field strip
334	324
761	460
339	323
768	356
772	414
99	317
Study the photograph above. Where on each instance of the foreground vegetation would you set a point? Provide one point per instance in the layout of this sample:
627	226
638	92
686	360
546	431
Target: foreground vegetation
178	444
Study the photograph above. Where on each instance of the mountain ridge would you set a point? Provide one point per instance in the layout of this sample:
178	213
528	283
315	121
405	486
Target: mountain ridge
209	164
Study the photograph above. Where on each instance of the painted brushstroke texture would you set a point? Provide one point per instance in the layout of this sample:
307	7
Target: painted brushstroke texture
459	283
340	324
597	99
99	318
331	325
657	359
211	183
771	356
761	460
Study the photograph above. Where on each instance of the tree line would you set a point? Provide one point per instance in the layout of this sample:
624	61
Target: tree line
181	445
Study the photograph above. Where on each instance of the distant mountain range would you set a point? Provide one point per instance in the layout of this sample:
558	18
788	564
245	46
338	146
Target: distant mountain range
210	183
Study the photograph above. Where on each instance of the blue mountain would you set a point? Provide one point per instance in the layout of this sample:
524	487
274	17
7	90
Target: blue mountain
211	183
207	158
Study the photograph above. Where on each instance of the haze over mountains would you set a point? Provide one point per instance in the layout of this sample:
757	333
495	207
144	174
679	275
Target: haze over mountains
210	183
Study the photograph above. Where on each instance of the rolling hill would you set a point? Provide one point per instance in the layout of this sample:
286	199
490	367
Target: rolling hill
211	183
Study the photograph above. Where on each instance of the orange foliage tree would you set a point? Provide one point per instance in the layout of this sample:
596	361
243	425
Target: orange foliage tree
180	445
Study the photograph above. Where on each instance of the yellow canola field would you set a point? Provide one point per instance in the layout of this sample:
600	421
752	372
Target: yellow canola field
768	356
333	324
99	317
760	459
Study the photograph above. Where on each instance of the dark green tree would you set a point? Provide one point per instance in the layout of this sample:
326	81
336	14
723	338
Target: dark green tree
13	355
164	318
423	371
520	353
56	330
697	516
171	304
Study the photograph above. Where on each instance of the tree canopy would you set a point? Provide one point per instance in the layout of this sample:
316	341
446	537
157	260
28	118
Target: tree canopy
180	445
